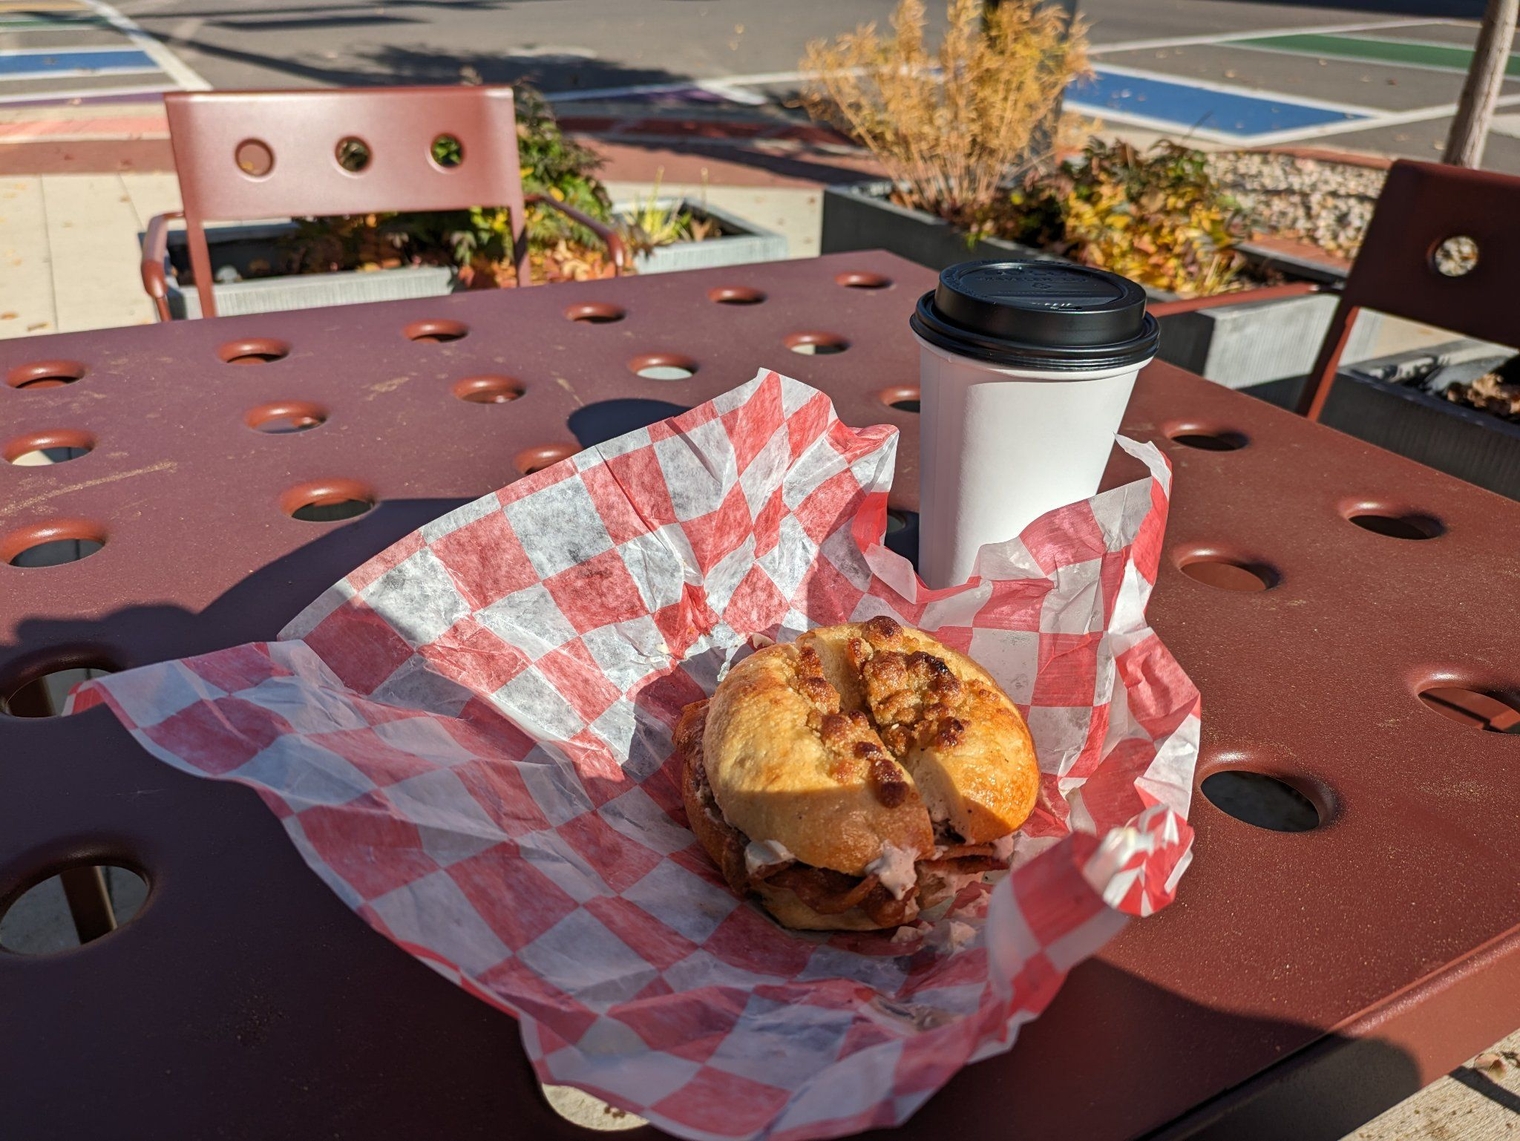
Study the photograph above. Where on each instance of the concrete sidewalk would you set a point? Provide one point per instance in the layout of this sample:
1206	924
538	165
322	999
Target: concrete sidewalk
70	243
69	250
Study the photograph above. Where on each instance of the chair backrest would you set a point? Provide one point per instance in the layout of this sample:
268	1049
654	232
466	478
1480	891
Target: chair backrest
270	154
1410	267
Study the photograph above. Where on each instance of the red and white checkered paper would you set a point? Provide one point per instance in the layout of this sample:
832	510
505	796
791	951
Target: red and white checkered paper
469	740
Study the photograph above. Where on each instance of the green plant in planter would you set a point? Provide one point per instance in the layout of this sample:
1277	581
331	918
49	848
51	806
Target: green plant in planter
1155	216
652	223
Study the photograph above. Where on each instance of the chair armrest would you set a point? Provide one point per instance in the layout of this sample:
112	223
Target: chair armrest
610	238
155	255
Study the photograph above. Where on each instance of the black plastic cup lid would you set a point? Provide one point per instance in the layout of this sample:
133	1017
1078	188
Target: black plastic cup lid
1038	315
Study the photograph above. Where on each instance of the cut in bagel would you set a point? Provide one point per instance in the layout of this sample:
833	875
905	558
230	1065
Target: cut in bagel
849	776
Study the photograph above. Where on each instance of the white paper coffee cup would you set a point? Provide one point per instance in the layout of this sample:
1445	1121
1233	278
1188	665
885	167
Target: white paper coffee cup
1025	372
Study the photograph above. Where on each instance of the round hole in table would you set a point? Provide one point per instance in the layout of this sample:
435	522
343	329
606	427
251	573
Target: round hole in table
43	919
663	366
285	417
488	389
45	374
1261	800
41	688
603	420
861	279
38	449
582	1109
1411	526
816	343
736	295
904	397
1491	712
1226	573
902	533
1206	438
595	313
436	331
254	350
52	543
328	500
530	460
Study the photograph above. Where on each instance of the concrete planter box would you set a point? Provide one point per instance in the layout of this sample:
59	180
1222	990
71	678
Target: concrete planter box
1368	403
1236	339
240	246
740	242
859	217
1256	336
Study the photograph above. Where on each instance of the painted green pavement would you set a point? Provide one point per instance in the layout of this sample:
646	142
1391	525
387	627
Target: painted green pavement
1442	56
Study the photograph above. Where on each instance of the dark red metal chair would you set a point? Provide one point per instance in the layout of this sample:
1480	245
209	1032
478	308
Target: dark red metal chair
1400	268
245	155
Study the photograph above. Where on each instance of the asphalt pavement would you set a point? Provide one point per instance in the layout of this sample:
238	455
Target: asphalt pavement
1374	75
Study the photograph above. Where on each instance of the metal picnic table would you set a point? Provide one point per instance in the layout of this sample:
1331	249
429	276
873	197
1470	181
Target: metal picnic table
1302	981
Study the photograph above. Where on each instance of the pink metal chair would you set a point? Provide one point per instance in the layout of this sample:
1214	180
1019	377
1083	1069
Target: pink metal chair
1401	269
272	154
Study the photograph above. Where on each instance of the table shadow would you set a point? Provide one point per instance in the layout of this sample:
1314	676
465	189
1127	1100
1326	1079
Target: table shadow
1118	1056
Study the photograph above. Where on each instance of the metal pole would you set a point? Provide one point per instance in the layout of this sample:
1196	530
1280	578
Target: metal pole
89	902
1469	130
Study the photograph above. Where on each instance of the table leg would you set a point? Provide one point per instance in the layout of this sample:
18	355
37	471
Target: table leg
89	903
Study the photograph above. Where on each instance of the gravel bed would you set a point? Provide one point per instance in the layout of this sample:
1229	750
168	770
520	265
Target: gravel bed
1326	203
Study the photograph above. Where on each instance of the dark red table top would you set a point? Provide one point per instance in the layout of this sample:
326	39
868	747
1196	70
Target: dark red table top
1300	983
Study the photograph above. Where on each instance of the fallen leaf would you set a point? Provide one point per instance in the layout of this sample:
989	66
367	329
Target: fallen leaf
1488	1060
9	316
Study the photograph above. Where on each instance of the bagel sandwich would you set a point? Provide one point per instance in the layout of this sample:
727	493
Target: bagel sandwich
856	776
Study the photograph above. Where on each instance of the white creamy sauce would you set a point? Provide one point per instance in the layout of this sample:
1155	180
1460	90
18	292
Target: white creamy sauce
958	934
894	867
765	854
1002	847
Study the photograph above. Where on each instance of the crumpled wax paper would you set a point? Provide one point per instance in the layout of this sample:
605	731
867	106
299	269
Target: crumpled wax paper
469	739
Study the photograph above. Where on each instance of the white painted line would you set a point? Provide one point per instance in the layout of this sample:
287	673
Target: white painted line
1271	138
93	93
171	65
76	73
733	94
1166	127
1420	43
1397	119
726	81
1245	92
1339	57
1221	37
91	49
618	92
1507	125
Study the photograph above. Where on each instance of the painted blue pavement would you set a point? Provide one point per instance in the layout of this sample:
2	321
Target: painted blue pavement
1184	105
32	63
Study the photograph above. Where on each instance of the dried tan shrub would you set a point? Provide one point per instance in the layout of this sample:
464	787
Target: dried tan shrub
951	127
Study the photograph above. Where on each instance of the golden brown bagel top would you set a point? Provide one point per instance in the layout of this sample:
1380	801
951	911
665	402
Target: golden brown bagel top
863	735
